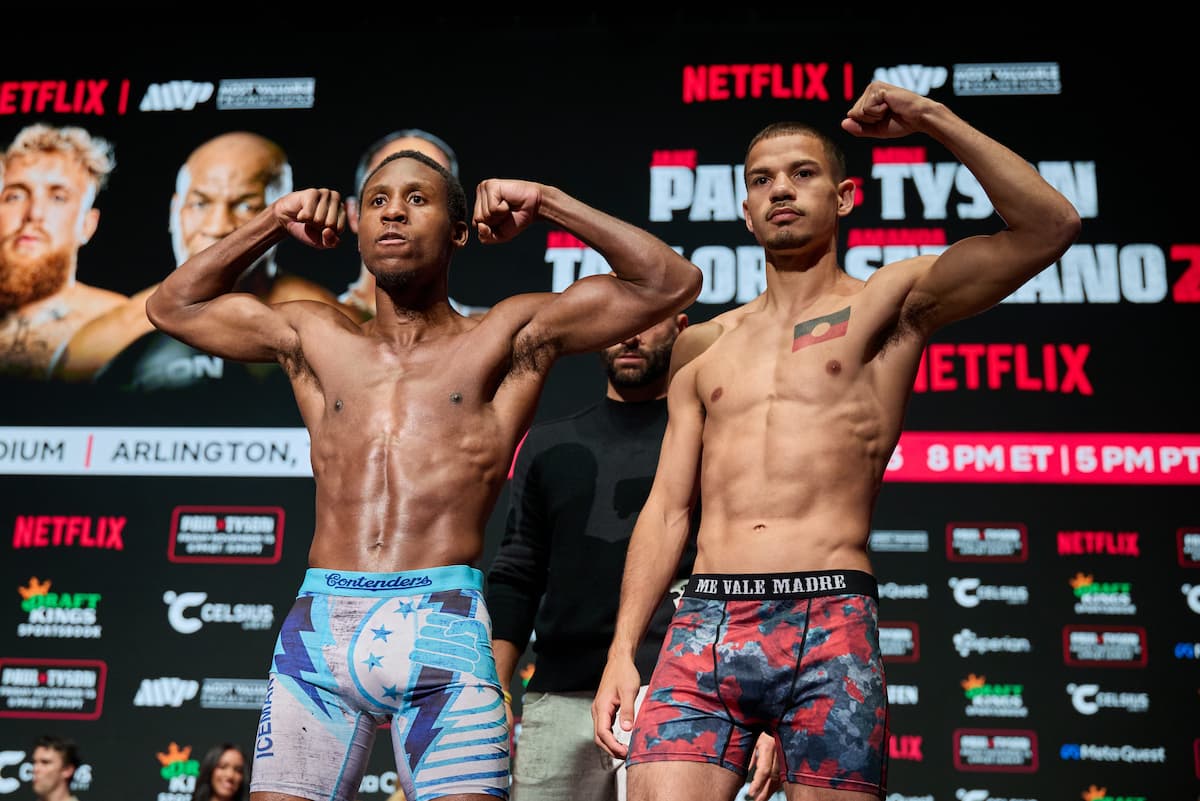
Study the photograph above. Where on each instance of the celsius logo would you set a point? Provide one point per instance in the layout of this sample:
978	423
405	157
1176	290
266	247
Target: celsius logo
969	592
914	77
8	759
1088	699
177	604
385	782
1082	696
1192	591
250	616
963	589
81	780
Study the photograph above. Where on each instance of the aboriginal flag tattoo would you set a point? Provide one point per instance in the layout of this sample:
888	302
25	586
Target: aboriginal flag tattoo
819	329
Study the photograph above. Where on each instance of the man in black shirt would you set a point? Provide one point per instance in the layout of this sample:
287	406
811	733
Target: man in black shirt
577	487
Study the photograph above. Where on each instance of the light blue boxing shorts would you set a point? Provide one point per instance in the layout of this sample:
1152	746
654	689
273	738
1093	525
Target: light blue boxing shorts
360	649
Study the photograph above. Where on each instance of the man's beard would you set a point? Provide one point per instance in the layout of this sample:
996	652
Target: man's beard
395	281
25	280
784	239
658	361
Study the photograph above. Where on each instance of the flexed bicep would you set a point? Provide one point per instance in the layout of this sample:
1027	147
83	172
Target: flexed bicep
235	326
196	304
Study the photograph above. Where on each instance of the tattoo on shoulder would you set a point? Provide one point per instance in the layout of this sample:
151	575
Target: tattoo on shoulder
820	329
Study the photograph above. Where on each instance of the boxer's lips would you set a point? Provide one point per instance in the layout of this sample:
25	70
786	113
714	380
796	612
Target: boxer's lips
392	239
783	214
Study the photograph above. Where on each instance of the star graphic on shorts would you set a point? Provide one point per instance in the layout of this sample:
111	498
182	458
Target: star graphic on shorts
392	692
405	608
380	633
373	662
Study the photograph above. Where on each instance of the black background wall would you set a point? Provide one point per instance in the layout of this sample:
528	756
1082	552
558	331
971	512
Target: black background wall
1037	538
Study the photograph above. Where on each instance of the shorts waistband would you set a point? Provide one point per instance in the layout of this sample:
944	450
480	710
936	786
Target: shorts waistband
781	586
406	582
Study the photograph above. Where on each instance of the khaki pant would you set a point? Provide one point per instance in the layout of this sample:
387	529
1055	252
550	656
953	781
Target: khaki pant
556	757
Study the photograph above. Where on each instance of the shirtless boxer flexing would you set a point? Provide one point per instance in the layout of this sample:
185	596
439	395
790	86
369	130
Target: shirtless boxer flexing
785	412
413	417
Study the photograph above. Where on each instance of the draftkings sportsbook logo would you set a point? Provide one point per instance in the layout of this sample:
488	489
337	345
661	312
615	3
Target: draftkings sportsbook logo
179	770
1094	793
1102	597
993	700
57	614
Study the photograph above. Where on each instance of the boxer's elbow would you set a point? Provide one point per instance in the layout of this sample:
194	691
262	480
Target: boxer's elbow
685	285
162	309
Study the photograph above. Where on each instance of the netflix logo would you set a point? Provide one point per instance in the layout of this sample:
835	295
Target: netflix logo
1051	368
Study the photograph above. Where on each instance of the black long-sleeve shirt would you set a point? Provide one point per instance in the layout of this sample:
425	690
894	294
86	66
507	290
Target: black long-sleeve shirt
577	488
